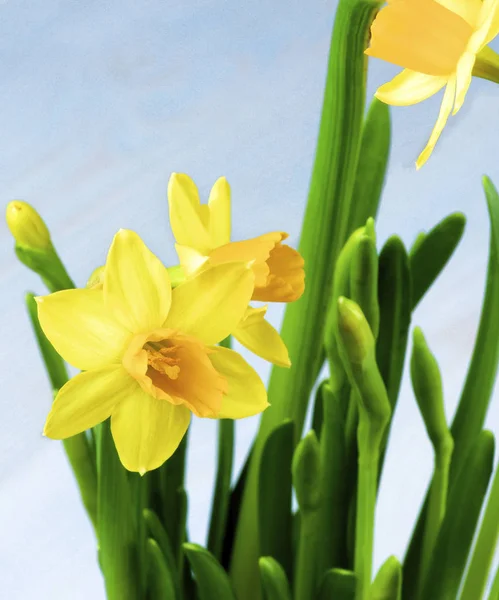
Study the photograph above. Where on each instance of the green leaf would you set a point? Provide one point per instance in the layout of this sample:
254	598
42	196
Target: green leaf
331	543
318	412
485	546
394	293
116	522
156	531
458	527
275	585
475	397
387	584
431	252
212	581
160	580
337	584
221	496
373	161
275	497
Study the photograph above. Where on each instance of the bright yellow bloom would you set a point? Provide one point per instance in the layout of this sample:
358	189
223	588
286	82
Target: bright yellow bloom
148	353
437	43
202	233
27	226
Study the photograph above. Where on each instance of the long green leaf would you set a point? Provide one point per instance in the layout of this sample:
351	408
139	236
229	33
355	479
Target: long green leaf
274	515
324	232
157	532
373	161
485	546
387	584
458	527
476	394
160	580
221	495
116	522
275	585
431	253
212	581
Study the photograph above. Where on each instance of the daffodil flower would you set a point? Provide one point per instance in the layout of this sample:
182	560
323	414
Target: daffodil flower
148	353
438	44
202	234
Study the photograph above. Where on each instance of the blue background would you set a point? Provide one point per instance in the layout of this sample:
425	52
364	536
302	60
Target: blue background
99	103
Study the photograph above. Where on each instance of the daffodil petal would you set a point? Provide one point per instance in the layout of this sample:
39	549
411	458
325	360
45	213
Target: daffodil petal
190	259
445	111
147	431
246	394
219	207
409	87
137	287
210	305
258	336
87	400
189	219
463	79
467	9
81	329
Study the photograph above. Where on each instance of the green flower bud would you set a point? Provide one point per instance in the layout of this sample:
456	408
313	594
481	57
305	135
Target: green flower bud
388	582
355	334
306	472
26	226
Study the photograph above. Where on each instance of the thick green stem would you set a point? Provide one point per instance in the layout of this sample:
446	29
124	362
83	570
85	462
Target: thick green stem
437	503
366	506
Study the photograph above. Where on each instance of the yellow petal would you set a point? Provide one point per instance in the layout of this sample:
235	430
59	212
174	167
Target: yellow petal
189	219
463	79
419	35
210	305
256	334
190	259
88	399
219	207
246	394
286	278
137	287
409	87
147	431
81	329
494	26
445	110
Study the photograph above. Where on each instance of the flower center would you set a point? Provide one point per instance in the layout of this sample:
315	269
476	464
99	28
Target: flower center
161	358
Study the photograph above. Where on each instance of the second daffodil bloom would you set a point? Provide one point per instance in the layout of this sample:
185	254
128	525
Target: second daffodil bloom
438	44
147	353
202	233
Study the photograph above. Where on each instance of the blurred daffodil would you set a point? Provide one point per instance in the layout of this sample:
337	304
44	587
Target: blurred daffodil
202	233
439	44
148	352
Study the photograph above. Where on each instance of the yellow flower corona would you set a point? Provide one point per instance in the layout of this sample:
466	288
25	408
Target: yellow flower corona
202	234
148	352
26	226
437	44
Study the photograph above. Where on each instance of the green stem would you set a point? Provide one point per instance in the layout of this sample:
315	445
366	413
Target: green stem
306	564
437	503
478	570
366	506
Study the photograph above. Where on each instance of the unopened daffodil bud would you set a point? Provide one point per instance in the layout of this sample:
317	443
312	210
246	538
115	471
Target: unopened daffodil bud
26	226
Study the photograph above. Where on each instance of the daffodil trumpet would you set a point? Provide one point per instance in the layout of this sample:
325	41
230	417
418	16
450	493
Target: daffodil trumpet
148	352
440	44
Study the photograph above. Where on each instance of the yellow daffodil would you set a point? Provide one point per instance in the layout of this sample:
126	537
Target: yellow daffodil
202	233
148	353
438	44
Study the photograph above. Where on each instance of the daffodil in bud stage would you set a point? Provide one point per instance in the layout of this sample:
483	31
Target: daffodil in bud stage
202	233
148	352
438	44
26	226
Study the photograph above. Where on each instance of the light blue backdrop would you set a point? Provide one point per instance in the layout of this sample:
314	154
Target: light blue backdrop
99	103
